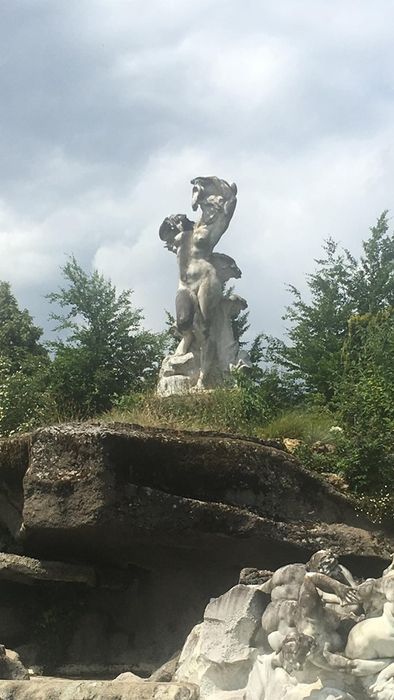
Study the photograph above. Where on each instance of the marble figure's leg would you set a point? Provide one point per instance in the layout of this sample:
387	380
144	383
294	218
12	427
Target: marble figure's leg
185	308
208	296
207	357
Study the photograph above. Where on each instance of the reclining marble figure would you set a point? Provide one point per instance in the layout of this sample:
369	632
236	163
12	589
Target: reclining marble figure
323	635
207	348
330	638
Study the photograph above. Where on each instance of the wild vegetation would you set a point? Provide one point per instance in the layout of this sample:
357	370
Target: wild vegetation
330	383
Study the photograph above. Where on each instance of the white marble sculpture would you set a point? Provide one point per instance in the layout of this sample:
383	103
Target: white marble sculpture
322	636
207	349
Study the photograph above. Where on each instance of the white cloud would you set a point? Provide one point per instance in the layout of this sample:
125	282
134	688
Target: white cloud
111	109
24	254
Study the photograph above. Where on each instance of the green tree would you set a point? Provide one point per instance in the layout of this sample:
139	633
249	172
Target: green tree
374	277
105	351
341	287
365	401
25	400
24	367
19	337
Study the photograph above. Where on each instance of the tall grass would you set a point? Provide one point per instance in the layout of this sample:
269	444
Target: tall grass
233	410
223	410
306	424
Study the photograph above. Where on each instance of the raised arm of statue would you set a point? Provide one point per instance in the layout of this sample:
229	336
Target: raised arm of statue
217	200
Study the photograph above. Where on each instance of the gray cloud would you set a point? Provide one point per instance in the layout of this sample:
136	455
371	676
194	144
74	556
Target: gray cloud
109	108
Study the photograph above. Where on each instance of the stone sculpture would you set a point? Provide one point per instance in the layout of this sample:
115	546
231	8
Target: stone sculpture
207	348
323	636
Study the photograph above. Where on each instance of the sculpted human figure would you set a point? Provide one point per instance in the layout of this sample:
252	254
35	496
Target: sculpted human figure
290	674
371	592
203	274
282	614
324	622
312	607
326	639
177	232
368	652
217	200
299	654
371	641
383	687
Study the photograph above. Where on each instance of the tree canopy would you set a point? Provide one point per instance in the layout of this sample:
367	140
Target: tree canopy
103	351
340	288
19	337
24	364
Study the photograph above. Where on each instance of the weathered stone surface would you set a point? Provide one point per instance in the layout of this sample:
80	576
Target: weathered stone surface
14	460
11	667
254	577
56	689
110	491
26	570
129	677
220	652
166	672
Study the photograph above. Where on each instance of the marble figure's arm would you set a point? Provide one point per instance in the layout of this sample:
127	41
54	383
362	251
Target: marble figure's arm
383	678
369	667
330	585
329	660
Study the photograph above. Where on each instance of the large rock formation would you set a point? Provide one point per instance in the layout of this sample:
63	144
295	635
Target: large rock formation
151	524
122	494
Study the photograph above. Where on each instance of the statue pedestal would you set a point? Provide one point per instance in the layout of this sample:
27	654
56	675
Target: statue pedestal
178	374
174	385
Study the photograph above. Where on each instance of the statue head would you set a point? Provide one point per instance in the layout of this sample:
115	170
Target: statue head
323	562
214	193
294	650
172	227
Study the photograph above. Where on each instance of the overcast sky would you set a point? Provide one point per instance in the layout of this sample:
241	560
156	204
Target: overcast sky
109	107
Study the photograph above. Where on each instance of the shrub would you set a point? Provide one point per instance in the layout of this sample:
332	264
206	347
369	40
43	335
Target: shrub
305	423
24	398
365	402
